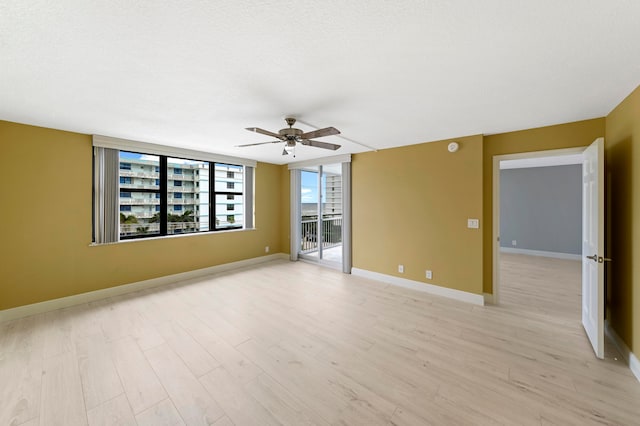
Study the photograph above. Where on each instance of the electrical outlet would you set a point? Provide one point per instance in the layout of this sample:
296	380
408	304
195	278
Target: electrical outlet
473	223
429	274
401	269
514	243
266	249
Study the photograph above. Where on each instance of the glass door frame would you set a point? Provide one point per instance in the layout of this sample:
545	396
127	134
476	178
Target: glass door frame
296	214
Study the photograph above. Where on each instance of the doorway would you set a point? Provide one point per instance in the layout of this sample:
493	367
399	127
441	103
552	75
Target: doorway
321	211
507	248
592	256
321	216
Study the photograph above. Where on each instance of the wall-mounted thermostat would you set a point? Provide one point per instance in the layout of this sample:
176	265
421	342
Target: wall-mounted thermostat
453	147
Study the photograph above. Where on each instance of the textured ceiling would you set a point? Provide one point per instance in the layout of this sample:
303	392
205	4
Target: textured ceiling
386	73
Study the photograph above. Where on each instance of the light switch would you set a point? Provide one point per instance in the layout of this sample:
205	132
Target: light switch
473	223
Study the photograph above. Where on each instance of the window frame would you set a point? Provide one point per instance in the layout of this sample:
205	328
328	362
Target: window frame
131	191
162	193
213	193
106	193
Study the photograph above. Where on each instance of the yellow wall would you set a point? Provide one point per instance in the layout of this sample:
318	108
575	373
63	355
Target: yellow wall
623	173
570	135
45	224
410	207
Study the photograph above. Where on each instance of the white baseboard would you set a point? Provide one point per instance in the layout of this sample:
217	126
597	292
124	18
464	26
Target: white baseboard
488	299
556	255
77	299
476	299
632	360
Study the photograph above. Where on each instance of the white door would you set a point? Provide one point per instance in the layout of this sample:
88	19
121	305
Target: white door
593	245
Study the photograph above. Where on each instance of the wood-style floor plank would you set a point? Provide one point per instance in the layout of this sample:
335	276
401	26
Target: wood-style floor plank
140	383
280	403
62	397
239	405
100	380
163	413
297	344
20	388
196	358
115	412
195	405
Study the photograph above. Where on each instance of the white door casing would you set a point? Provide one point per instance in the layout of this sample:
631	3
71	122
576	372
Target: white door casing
593	245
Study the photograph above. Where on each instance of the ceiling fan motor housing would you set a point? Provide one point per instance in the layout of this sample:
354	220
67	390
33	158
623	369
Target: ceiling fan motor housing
291	136
291	132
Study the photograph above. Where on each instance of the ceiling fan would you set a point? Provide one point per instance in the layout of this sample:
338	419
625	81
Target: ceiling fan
292	136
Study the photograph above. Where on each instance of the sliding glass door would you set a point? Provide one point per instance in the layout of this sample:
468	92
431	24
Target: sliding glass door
321	211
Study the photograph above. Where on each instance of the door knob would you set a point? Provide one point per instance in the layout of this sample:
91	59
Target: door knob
603	259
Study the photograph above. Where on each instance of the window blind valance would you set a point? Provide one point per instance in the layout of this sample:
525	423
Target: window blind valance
170	151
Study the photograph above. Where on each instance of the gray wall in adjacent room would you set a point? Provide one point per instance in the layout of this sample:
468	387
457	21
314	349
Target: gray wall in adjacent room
541	208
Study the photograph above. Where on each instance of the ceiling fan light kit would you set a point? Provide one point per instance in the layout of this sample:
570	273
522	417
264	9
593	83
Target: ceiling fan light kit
292	136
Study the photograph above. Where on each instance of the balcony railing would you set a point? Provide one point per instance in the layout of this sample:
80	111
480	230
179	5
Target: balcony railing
201	224
139	201
130	173
331	234
183	188
127	229
183	201
181	176
138	186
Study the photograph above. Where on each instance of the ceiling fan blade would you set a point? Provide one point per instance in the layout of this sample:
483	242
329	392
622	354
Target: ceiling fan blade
264	132
258	143
320	133
318	144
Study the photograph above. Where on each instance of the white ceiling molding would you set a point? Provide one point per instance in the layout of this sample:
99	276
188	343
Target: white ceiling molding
336	159
194	75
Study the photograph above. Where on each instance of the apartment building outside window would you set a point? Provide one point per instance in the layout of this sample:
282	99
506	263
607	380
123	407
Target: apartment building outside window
189	209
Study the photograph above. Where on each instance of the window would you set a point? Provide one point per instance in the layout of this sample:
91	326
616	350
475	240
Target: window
230	175
141	201
189	215
225	191
201	201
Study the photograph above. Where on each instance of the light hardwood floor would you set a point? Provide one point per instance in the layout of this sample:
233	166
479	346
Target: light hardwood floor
294	343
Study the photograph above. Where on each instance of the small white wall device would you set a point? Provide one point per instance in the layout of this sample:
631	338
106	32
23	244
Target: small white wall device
453	146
